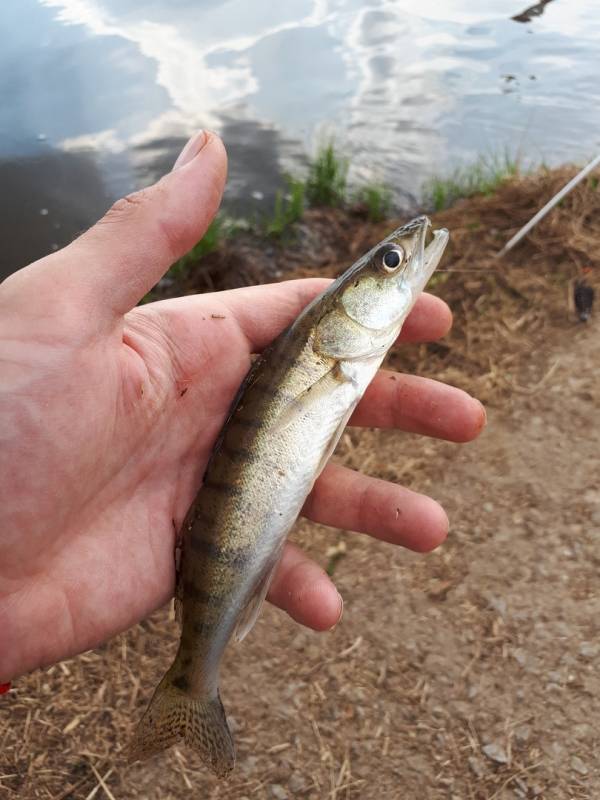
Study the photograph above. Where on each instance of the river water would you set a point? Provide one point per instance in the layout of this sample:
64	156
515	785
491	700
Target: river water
98	96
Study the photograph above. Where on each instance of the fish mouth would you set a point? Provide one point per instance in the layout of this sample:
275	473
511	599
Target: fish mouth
426	257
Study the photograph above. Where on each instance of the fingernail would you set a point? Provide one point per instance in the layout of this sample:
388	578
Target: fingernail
190	149
484	414
339	619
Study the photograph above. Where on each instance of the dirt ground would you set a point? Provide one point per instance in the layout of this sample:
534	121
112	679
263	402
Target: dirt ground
470	673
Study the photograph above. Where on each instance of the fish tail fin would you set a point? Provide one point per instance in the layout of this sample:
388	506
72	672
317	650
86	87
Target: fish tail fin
174	715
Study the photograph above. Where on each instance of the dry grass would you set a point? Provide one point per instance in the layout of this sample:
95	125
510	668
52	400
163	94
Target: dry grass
420	692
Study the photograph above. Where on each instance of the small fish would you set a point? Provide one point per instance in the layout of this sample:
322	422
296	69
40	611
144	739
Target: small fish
284	424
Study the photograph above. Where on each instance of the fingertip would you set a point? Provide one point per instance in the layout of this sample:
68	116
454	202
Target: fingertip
445	318
432	529
304	590
215	156
468	420
313	599
473	422
430	319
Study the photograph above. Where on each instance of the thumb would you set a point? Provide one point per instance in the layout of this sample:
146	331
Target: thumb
117	261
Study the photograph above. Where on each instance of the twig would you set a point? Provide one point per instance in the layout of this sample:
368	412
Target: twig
537	386
101	781
518	773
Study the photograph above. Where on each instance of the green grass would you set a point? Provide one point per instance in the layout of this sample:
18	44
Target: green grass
327	178
288	209
326	186
376	199
482	177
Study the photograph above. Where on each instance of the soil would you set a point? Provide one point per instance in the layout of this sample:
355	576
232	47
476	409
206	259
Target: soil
470	673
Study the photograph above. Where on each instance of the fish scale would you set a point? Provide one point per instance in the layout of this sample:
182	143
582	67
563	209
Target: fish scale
284	424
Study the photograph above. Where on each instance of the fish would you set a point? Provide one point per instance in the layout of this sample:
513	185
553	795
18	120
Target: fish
284	424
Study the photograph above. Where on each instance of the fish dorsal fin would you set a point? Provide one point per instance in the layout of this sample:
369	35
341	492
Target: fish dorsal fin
250	613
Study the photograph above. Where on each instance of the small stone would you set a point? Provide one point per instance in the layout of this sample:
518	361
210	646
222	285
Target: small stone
248	765
495	752
297	783
589	649
553	687
520	656
498	604
278	792
582	730
488	507
44	212
522	734
578	765
556	751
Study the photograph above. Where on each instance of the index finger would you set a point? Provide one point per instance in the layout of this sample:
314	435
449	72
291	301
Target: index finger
262	312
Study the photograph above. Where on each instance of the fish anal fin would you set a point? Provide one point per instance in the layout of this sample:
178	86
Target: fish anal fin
250	613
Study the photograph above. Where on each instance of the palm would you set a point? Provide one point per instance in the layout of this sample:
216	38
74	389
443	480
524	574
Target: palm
138	413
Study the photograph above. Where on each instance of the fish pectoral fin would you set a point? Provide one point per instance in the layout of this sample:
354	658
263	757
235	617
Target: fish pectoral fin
178	598
178	605
312	397
250	613
328	452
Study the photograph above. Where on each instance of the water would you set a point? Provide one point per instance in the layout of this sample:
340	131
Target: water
98	96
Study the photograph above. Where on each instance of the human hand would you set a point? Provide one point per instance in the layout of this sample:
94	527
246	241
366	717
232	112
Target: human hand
109	412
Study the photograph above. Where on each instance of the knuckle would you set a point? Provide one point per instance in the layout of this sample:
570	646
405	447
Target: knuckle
144	209
125	208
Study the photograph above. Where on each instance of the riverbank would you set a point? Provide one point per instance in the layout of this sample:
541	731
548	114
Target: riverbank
503	308
467	673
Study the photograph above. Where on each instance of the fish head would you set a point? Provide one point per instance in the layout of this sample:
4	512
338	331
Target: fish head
381	288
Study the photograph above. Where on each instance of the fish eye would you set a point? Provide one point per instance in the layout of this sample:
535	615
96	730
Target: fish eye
392	259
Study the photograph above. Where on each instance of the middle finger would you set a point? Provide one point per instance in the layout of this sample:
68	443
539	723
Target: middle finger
419	405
